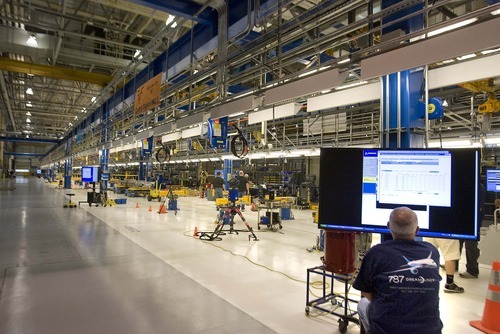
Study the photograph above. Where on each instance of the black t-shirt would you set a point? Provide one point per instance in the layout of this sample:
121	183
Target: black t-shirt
404	278
217	182
242	183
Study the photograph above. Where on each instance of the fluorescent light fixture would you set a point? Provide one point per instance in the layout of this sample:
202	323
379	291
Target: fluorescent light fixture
204	159
343	61
324	68
492	141
76	117
28	120
29	104
307	73
461	143
173	25
448	61
485	52
29	91
451	27
351	85
28	114
495	12
227	157
93	99
470	55
326	91
237	114
32	41
445	103
214	159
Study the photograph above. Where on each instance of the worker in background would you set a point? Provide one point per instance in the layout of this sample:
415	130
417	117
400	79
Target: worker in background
399	281
471	250
218	184
243	187
450	248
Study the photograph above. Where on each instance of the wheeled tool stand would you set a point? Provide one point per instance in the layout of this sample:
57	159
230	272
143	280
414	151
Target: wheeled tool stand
69	203
228	213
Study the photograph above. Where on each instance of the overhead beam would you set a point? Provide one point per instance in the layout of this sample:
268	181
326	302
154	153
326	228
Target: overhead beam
186	9
23	154
11	65
28	140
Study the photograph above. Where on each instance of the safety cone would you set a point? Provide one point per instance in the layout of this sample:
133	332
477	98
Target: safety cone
195	234
491	322
150	209
137	205
162	209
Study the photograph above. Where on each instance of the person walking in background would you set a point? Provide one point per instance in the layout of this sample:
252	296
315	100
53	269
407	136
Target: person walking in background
218	184
243	187
471	249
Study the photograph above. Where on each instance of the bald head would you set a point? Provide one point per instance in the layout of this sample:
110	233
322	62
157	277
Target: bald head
403	223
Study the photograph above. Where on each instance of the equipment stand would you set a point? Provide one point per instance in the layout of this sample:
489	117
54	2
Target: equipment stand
332	298
229	211
172	201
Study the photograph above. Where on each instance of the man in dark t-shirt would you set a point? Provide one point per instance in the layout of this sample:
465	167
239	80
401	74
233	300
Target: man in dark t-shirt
399	281
218	185
243	187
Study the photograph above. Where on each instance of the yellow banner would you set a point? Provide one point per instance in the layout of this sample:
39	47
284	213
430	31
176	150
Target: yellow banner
148	95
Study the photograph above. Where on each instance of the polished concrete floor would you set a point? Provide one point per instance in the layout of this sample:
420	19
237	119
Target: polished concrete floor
126	269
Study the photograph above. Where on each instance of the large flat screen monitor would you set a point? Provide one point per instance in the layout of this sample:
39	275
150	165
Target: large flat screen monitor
90	174
360	187
493	180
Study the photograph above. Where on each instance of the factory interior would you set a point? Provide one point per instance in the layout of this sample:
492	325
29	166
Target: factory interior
115	117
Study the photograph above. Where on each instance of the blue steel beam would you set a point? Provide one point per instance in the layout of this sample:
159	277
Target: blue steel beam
29	140
186	9
23	154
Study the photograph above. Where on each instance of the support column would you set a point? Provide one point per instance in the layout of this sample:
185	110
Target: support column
68	171
104	164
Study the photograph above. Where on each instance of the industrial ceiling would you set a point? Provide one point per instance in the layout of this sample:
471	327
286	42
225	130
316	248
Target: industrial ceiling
61	59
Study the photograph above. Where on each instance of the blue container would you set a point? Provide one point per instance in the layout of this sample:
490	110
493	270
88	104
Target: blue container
286	213
264	220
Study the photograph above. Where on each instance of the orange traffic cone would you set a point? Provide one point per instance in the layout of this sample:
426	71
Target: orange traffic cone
491	322
137	205
150	209
195	234
162	209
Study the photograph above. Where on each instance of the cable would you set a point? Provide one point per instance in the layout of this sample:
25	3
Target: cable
237	140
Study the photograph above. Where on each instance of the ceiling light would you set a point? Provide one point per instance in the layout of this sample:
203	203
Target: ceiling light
29	91
448	61
138	54
29	104
28	114
343	61
451	27
471	55
93	99
351	85
495	12
485	52
28	120
70	124
170	19
173	25
445	103
307	73
32	41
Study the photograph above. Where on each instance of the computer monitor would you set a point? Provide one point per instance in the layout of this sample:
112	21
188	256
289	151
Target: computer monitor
360	187
493	180
90	174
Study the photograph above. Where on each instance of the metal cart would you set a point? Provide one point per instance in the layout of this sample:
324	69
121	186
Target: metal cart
334	300
272	217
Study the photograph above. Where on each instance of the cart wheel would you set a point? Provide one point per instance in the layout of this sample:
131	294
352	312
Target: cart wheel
281	227
149	198
249	237
258	227
307	310
343	325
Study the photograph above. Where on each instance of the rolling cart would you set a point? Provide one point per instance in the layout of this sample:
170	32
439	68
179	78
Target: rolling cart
272	218
330	301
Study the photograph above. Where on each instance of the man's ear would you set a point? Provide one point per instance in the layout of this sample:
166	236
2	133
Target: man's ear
388	223
416	231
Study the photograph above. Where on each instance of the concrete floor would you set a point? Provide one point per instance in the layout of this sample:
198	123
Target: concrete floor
124	269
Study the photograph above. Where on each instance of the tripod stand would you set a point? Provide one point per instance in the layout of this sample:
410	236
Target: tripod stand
172	201
228	212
